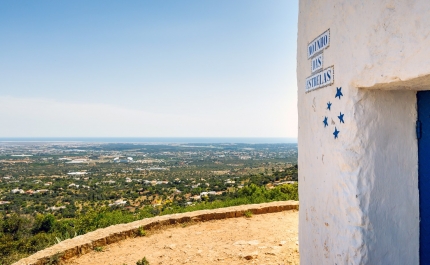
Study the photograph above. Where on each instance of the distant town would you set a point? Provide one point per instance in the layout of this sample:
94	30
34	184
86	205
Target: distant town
64	178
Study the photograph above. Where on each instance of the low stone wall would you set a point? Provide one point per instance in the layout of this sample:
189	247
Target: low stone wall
83	244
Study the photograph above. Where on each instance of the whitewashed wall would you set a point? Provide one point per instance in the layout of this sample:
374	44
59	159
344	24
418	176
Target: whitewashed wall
359	192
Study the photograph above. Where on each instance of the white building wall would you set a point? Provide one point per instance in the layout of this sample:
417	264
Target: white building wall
359	193
388	185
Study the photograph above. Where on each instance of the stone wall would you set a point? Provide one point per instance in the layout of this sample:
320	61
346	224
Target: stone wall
83	244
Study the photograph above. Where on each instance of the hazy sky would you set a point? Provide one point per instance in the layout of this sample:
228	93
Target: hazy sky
215	68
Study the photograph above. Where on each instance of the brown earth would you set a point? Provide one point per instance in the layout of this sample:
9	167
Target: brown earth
262	239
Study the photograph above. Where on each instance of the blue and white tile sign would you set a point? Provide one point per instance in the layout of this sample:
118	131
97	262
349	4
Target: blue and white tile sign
320	77
319	43
317	63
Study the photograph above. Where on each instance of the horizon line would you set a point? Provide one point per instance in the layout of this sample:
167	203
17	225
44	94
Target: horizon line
105	139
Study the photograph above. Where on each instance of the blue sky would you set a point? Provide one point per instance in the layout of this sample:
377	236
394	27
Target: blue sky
148	68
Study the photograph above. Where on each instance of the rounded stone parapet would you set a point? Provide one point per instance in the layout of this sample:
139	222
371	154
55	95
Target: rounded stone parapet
83	244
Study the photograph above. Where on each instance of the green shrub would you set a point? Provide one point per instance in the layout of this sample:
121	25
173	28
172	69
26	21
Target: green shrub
55	259
37	242
141	231
99	249
143	261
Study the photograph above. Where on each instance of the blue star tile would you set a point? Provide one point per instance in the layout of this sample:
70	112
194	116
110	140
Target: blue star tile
336	132
341	117
329	105
338	92
325	122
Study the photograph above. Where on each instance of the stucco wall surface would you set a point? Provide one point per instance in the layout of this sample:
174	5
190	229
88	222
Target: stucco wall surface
359	192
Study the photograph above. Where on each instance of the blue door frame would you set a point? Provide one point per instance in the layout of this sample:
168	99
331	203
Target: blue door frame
423	135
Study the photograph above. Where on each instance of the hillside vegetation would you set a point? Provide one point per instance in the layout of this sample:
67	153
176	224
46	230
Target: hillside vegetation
22	235
52	192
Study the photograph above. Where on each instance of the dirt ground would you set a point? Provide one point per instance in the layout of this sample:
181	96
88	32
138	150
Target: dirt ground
261	239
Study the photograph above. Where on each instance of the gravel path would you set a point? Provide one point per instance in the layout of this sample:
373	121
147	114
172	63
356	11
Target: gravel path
261	239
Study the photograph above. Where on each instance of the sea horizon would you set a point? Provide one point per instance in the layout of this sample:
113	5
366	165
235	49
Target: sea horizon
163	140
